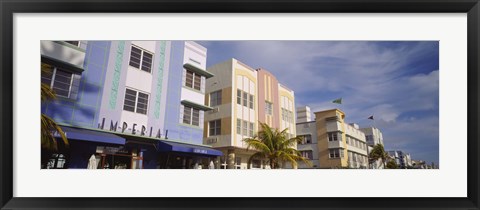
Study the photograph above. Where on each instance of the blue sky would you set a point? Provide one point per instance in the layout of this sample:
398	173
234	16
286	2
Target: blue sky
397	82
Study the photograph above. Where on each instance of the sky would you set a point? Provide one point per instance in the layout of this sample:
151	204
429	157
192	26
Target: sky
396	82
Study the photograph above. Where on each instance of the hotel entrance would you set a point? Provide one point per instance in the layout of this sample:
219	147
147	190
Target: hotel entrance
119	158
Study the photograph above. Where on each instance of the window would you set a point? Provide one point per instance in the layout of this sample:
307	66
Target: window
189	79
215	127
129	100
223	162
142	103
256	163
239	96
193	80
307	154
56	161
268	107
135	101
245	99
369	138
307	139
239	126
197	82
238	162
245	128
63	82
250	131
191	115
334	153
195	116
332	136
250	102
216	98
141	59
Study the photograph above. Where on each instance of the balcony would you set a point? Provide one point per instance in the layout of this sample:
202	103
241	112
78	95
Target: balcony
334	126
63	54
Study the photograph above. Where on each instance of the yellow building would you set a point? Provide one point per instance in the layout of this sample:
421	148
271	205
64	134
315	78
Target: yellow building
340	145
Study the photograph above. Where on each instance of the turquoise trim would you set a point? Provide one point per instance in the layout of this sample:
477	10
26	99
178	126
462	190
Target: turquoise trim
158	95
116	74
197	70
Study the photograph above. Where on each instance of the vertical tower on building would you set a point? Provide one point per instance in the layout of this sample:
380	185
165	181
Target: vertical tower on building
307	129
241	97
304	114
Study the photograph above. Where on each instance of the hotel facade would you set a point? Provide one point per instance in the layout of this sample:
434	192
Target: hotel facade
329	142
241	97
130	104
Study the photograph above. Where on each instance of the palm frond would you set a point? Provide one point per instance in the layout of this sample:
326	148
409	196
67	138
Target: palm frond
47	93
48	126
256	144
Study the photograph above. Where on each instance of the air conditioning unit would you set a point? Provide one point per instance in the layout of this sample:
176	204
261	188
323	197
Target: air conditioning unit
215	110
212	140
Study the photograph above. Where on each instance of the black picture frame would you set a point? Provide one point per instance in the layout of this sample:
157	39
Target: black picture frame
10	7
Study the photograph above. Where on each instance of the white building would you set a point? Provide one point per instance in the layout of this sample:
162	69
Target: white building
309	147
373	137
357	146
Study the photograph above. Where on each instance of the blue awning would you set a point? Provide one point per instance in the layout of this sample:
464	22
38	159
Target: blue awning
164	146
91	135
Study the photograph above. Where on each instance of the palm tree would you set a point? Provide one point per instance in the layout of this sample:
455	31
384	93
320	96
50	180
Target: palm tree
378	152
391	164
48	125
273	145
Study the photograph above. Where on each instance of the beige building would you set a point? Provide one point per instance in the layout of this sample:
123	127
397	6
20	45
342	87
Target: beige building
340	145
241	97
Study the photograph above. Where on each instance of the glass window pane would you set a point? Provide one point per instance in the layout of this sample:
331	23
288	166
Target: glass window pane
245	99
189	79
135	57
61	83
245	128
250	101
197	83
147	61
239	126
195	117
239	97
187	113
